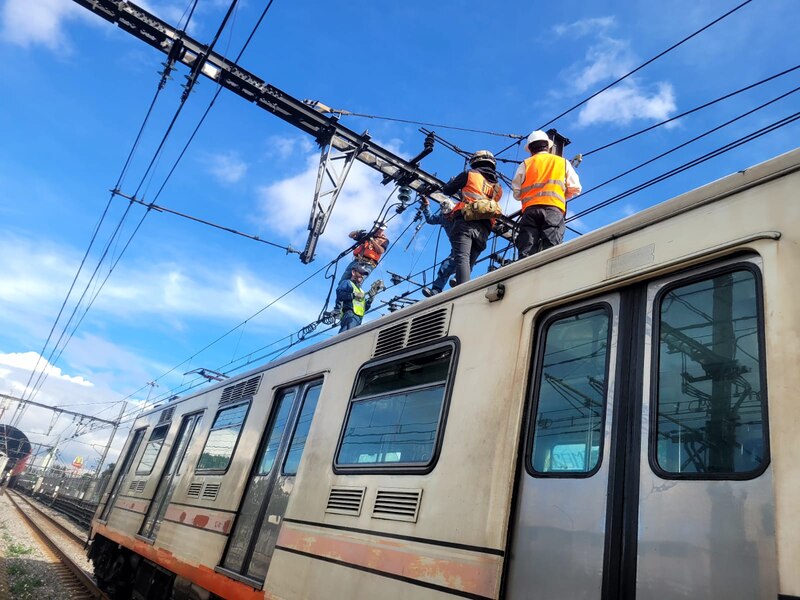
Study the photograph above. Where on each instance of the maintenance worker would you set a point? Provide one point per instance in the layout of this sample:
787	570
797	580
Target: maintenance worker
351	301
543	183
371	246
473	214
448	266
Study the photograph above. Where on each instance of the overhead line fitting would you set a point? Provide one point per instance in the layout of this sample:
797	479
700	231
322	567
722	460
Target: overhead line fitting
325	109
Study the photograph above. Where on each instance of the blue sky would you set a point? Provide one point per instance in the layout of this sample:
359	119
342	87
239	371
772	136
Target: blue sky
77	88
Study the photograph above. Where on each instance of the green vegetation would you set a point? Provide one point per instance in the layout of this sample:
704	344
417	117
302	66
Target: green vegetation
22	584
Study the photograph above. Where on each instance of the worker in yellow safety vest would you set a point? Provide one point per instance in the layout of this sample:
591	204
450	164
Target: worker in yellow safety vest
351	301
543	183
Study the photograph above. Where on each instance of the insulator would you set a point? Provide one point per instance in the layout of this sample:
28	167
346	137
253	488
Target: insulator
404	194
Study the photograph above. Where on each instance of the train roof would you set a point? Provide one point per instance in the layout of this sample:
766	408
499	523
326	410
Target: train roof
707	194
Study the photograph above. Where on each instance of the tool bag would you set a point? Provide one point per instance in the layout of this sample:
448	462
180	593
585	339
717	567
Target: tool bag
483	208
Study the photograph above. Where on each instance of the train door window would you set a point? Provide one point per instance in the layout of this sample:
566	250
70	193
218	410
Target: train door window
222	438
127	462
152	449
396	413
252	541
298	442
570	392
166	486
710	396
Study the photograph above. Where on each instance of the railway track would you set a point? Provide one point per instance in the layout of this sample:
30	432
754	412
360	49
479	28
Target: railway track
54	537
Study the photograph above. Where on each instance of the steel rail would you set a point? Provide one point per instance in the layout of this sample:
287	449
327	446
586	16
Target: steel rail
86	582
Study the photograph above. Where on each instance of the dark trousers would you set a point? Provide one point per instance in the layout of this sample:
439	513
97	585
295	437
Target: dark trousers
540	228
468	240
349	320
447	268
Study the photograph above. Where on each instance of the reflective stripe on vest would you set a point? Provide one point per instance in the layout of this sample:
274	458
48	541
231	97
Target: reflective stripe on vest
476	188
359	303
545	182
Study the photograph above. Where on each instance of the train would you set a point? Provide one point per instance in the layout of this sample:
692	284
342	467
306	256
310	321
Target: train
15	451
611	418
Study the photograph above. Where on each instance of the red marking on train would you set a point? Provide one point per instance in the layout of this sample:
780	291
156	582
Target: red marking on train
200	520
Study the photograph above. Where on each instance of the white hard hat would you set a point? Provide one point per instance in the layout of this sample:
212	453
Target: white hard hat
539	136
447	205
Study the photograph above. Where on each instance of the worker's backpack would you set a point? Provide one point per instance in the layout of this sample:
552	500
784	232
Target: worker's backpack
481	209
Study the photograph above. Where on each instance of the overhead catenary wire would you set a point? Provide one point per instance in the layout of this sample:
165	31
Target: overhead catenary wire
692	110
694	139
650	61
188	87
693	163
159	88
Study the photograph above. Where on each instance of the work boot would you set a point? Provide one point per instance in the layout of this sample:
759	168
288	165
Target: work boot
453	282
432	291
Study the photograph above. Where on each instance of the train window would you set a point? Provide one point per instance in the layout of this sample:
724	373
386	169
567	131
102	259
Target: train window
276	433
570	394
222	438
396	410
152	449
300	434
710	398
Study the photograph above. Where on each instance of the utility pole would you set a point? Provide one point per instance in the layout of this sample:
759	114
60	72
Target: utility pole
110	439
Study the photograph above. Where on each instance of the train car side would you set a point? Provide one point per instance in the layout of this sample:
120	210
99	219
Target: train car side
439	497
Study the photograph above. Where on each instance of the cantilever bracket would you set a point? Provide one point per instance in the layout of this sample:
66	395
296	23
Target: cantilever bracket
334	166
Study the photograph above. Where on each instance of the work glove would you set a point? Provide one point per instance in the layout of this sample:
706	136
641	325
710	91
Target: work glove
376	288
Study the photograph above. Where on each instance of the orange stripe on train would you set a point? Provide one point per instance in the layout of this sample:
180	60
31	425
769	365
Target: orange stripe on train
456	569
201	575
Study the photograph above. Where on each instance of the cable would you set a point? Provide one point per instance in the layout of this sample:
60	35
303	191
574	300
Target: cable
694	139
643	65
347	113
188	87
713	154
156	207
693	110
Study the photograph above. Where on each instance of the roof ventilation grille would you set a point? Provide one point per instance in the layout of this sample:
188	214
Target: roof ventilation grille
391	339
429	326
166	415
243	389
194	489
210	491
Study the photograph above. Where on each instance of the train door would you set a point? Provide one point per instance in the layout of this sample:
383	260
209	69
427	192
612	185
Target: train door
136	441
255	531
169	477
645	463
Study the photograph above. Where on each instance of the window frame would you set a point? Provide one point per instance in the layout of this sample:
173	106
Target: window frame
168	426
402	468
655	308
305	387
535	380
197	469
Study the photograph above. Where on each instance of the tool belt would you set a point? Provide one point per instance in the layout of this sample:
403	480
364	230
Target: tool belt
481	209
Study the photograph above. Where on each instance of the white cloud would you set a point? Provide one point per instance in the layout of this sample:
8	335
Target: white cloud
36	275
226	167
30	360
283	147
627	102
585	27
286	204
607	60
40	22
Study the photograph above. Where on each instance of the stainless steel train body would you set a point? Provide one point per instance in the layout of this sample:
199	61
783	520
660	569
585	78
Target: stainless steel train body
612	418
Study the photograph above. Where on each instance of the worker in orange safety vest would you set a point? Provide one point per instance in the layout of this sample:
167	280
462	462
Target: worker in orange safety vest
473	214
371	247
543	183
